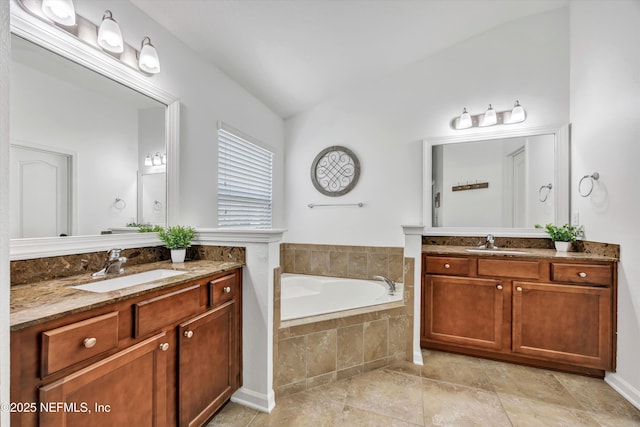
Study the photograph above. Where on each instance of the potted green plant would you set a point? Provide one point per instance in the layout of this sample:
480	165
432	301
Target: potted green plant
177	238
563	236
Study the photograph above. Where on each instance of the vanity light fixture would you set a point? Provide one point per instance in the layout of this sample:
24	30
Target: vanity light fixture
490	117
157	160
148	161
109	34
148	60
60	11
164	158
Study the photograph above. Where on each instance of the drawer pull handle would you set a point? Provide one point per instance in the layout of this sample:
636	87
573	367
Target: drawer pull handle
89	342
447	266
582	274
188	334
519	288
164	346
499	287
226	289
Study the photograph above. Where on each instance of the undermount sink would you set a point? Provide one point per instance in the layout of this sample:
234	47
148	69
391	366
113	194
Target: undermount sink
497	251
126	281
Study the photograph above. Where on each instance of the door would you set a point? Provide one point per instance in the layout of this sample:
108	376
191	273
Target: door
519	182
565	323
125	389
208	363
464	311
39	192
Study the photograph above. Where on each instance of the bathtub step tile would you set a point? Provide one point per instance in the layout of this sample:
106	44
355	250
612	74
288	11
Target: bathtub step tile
291	360
321	353
376	340
350	346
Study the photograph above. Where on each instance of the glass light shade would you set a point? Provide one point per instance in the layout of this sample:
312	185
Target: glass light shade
148	60
164	158
157	160
60	11
489	117
109	34
148	161
464	121
517	114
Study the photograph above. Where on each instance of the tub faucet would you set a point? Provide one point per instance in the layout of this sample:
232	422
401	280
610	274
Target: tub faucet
113	264
389	282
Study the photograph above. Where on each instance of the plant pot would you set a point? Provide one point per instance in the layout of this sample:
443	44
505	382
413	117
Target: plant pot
562	246
177	255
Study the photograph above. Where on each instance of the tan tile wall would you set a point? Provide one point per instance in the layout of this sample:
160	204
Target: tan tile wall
316	353
354	262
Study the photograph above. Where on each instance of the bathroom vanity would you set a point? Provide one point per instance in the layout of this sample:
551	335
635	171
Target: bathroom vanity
165	355
539	307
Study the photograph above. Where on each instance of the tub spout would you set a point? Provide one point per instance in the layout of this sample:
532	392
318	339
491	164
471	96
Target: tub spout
389	282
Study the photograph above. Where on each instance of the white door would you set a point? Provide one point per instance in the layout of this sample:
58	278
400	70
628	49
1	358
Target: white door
39	192
519	189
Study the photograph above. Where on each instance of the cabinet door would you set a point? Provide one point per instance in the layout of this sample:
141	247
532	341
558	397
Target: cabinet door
563	322
125	389
208	360
463	311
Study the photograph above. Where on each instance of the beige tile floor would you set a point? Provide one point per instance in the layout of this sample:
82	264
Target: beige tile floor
449	390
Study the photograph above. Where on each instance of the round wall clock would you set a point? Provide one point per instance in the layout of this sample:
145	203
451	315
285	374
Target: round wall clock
335	171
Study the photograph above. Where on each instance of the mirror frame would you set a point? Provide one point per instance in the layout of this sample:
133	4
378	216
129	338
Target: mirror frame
50	37
561	178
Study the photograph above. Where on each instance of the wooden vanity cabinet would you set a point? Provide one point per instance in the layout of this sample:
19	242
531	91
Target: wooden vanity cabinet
165	358
558	315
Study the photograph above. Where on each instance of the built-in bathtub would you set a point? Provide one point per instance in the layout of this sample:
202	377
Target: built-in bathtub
303	296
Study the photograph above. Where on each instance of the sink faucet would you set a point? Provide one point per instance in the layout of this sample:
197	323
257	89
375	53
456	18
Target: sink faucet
113	264
389	282
488	244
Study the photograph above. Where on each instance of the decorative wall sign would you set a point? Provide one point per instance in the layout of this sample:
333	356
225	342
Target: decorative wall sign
335	171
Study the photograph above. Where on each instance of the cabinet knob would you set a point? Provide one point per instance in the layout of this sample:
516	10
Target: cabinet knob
499	287
164	346
89	342
447	266
519	288
582	274
188	334
226	289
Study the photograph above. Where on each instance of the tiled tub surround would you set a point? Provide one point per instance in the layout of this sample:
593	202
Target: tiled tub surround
41	269
323	349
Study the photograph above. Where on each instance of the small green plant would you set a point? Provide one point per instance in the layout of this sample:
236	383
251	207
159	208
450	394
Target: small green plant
563	233
148	228
177	236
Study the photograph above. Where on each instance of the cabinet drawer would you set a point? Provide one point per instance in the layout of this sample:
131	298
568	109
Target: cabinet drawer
448	265
155	313
592	274
64	346
222	290
508	268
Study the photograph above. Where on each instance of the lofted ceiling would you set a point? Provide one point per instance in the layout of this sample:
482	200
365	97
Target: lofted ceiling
293	54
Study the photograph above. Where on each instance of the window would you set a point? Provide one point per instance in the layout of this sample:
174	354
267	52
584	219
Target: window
245	171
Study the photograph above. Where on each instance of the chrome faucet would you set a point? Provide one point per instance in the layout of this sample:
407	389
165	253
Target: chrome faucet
488	244
113	264
389	282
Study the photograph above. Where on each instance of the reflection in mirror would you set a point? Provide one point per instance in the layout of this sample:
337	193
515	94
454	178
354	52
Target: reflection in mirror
78	143
505	182
152	198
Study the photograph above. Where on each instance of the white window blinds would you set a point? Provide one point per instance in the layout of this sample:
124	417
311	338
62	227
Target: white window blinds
244	182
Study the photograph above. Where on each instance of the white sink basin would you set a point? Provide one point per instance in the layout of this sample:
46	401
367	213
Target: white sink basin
126	281
497	251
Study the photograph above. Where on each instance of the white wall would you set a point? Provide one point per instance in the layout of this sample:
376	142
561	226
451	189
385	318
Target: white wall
384	121
605	100
206	95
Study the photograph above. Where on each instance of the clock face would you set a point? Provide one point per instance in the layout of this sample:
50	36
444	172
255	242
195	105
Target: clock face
335	171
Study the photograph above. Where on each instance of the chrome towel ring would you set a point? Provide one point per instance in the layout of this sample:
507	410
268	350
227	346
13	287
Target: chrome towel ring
593	177
541	192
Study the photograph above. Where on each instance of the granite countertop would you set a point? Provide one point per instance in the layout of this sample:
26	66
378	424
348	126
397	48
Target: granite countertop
530	253
39	302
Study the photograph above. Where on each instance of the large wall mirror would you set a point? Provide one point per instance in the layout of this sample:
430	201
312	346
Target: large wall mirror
507	180
94	145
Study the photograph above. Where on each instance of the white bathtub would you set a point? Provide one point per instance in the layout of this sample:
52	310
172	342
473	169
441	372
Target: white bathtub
304	296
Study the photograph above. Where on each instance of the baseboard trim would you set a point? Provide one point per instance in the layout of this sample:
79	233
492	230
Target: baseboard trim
417	358
627	391
251	399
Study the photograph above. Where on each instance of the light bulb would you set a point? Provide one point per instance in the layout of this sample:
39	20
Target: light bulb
60	11
148	161
164	158
109	34
464	121
148	60
157	160
489	117
517	114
